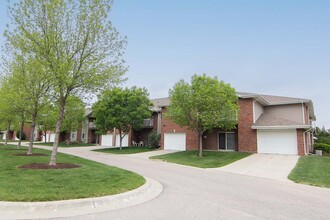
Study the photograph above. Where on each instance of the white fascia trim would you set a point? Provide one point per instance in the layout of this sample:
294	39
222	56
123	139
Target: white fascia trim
281	127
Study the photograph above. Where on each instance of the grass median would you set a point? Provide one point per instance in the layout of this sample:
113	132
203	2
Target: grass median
312	170
64	144
91	179
210	159
126	150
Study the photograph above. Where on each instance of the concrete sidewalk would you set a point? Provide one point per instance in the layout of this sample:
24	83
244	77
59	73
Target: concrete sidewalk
268	166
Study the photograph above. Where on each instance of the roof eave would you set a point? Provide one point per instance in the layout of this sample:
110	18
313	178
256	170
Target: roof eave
274	127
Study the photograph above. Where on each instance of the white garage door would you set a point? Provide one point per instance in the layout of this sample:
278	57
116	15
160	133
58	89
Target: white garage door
124	142
277	141
175	141
106	140
49	138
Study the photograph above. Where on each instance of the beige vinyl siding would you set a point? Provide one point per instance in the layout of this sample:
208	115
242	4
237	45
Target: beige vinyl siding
291	112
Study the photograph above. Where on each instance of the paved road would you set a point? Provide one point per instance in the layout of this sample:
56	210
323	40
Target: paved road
193	193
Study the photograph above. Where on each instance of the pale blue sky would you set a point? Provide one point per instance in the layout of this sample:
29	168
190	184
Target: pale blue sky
276	47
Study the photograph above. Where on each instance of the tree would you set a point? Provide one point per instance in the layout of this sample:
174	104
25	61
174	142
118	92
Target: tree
123	109
32	87
10	108
204	104
47	119
75	41
73	115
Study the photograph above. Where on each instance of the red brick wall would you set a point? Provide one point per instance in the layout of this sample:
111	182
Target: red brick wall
247	137
192	139
300	142
211	139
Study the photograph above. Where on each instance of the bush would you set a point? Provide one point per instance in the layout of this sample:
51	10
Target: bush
322	146
154	140
23	135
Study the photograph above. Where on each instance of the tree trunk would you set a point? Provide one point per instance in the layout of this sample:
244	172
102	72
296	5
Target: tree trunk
57	132
7	134
200	144
20	133
120	139
33	126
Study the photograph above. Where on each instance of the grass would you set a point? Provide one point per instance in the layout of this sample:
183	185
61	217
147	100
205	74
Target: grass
126	150
64	144
1	140
92	179
312	170
210	159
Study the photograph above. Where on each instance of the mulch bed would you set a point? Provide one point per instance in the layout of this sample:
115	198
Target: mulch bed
29	155
44	166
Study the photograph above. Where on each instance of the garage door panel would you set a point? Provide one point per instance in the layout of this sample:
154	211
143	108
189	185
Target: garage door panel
107	140
277	141
175	141
124	141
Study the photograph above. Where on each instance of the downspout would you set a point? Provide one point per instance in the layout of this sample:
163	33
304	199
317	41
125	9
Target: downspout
304	137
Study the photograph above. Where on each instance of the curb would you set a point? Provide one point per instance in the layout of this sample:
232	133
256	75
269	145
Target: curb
66	208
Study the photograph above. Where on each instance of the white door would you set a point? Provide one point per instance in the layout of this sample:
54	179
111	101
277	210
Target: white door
107	140
50	137
124	142
175	141
277	141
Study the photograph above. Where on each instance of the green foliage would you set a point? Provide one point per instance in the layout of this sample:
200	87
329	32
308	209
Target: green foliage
75	43
23	135
73	115
323	136
322	146
123	109
204	104
154	140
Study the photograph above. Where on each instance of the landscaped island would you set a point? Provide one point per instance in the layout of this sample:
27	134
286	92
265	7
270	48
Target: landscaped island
79	178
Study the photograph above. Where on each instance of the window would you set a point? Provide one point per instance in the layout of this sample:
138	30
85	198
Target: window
227	141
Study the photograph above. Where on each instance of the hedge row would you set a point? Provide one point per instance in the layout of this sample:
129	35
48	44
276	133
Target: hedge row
322	146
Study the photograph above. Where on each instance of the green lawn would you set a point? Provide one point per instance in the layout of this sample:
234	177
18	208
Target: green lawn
126	150
90	180
1	140
312	170
63	144
210	159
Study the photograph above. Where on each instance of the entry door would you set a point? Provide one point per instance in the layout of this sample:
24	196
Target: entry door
227	141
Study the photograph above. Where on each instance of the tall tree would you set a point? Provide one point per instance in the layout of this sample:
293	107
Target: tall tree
33	86
73	116
75	40
123	109
204	104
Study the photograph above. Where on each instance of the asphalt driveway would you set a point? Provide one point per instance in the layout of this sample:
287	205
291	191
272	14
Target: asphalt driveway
194	193
270	166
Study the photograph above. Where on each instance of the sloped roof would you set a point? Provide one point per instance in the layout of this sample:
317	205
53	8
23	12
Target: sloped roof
161	102
267	121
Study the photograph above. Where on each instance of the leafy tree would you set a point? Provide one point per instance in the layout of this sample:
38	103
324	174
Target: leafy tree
47	119
123	109
204	104
323	135
9	111
73	115
74	40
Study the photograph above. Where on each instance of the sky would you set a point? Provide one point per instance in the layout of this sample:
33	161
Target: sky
274	47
